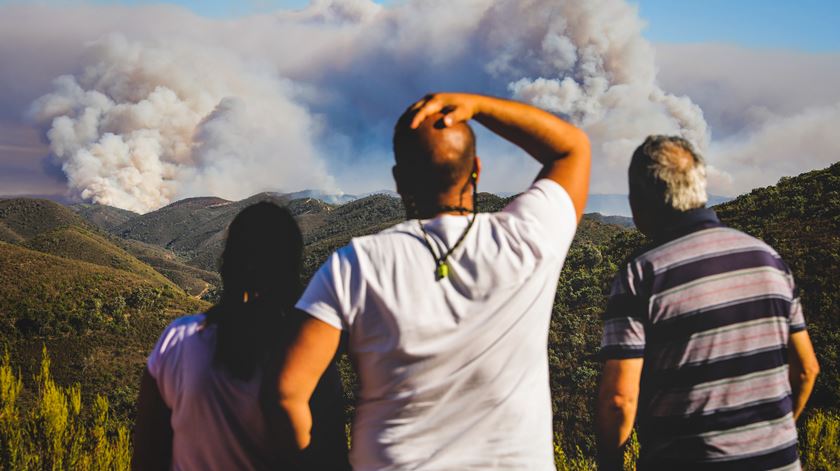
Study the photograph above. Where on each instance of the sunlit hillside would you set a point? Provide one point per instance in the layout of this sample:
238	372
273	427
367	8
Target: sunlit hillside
97	286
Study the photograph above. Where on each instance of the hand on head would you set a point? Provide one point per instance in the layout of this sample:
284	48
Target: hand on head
561	148
435	158
454	108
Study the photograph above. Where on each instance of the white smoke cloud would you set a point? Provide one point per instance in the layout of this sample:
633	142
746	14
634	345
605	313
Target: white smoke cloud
774	113
176	105
584	60
779	145
144	124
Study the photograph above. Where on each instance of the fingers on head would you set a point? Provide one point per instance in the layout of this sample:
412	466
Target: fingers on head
429	107
423	113
427	98
411	113
421	102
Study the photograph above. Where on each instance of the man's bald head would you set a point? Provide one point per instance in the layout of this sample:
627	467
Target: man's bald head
432	159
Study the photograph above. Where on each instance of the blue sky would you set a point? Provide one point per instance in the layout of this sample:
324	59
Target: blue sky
809	25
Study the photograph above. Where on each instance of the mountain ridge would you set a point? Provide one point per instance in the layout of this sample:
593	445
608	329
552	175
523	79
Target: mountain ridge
100	322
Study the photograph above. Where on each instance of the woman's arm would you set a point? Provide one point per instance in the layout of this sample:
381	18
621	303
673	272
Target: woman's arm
152	428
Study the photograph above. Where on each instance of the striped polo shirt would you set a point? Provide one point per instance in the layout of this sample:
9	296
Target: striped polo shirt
710	309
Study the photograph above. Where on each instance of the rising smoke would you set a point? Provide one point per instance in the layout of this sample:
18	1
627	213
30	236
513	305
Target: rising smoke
232	108
144	124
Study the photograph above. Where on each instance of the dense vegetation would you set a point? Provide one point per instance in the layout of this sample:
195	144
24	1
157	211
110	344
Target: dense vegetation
800	218
98	291
58	430
67	286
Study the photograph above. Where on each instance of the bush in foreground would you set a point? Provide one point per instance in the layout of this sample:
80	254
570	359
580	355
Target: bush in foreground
56	432
819	441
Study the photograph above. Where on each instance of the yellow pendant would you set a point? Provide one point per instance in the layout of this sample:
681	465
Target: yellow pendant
442	270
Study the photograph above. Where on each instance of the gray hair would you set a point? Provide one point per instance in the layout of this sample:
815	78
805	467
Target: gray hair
667	169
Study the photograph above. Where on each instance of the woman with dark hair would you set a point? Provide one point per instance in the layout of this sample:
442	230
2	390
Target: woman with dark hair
208	396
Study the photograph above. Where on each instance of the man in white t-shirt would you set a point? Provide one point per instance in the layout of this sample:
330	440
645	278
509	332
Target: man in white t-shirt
447	314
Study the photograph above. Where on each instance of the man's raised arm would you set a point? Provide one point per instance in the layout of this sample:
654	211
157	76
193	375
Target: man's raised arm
562	148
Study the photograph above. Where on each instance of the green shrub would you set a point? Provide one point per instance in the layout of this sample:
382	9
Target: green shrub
581	462
577	462
56	432
819	441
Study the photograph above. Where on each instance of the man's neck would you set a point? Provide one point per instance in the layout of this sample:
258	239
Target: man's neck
677	223
427	208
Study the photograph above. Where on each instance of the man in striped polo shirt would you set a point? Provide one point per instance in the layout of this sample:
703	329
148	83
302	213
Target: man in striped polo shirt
703	336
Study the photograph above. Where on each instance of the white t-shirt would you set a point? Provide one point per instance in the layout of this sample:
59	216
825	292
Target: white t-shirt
216	419
453	373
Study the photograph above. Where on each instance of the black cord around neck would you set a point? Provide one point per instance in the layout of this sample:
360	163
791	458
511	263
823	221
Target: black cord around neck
441	264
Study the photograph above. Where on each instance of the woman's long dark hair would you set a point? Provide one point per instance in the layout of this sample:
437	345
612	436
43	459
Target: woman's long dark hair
260	269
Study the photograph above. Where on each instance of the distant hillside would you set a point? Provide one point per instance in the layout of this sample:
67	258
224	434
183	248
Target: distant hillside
77	243
84	316
188	218
194	281
192	228
358	217
79	233
619	205
329	198
800	218
7	234
336	198
103	216
58	198
623	221
50	228
52	295
98	321
28	218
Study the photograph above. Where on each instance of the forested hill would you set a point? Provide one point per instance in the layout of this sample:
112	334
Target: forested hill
97	284
800	218
73	288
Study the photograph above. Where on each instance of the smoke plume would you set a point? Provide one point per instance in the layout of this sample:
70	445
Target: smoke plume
162	104
144	124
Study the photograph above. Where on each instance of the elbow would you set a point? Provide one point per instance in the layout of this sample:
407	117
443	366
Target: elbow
298	423
584	140
583	144
615	417
811	370
618	405
624	404
805	372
